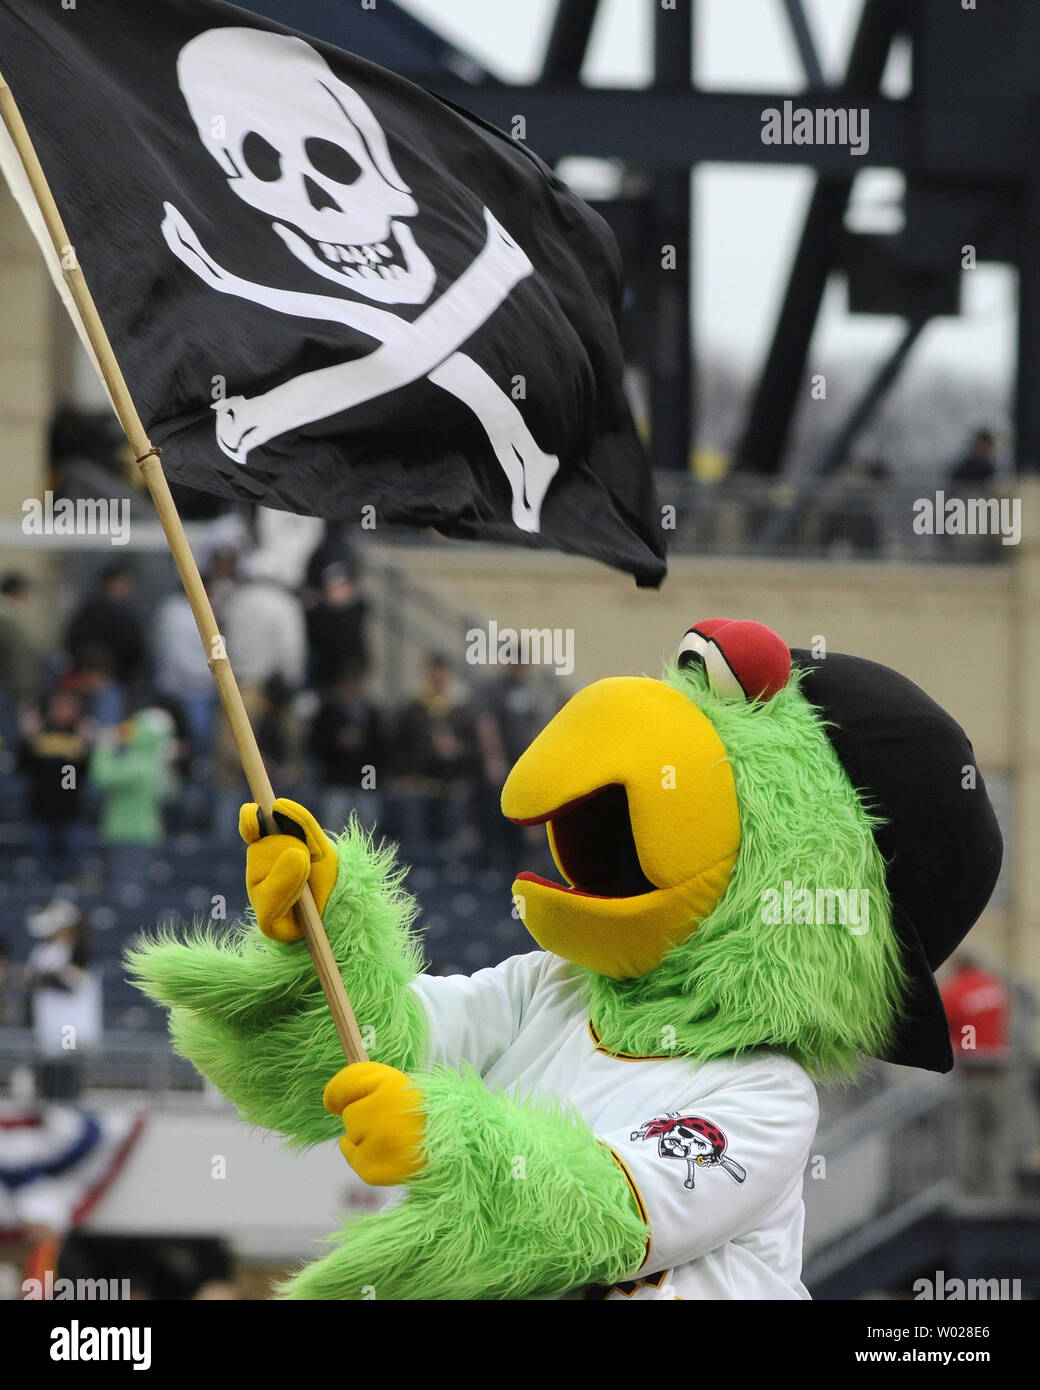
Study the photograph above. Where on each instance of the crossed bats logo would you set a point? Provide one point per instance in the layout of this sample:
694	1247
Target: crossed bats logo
700	1142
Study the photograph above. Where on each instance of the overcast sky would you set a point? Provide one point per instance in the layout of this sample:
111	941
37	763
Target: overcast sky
747	218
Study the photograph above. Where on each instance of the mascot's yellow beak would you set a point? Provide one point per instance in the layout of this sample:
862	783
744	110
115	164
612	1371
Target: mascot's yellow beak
638	798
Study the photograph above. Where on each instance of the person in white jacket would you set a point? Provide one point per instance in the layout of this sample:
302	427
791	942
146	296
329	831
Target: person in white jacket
263	625
265	637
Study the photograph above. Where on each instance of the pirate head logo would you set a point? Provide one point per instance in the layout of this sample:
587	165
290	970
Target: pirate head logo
701	1143
306	151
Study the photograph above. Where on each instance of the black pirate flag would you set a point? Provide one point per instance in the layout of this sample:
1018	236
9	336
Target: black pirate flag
328	289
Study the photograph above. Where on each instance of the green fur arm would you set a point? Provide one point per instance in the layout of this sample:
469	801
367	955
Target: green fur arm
251	1015
517	1200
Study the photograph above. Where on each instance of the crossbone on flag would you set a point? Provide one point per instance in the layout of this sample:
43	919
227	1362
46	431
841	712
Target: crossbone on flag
329	290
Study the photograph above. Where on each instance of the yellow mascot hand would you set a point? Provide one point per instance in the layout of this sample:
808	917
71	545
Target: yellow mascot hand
278	866
384	1120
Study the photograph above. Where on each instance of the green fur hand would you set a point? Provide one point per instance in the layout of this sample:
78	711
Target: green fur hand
476	1227
249	1012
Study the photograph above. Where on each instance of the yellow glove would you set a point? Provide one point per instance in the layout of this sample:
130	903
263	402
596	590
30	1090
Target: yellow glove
383	1115
278	866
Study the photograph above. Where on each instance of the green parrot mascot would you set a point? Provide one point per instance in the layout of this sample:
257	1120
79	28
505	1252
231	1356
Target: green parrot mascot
765	855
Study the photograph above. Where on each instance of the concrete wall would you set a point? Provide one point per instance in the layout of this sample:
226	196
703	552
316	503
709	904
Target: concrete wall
35	348
219	1176
947	627
27	298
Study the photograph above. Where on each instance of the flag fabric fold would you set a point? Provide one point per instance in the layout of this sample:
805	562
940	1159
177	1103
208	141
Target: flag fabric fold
329	291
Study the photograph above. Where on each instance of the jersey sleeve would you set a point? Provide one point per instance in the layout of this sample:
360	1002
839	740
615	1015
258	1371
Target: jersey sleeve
718	1168
474	1018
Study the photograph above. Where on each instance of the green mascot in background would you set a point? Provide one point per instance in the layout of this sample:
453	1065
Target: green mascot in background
764	857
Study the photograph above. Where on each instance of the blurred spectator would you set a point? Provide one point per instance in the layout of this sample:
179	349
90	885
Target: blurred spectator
979	464
437	758
186	801
221	574
973	476
182	670
849	520
976	1004
92	435
19	657
90	458
347	742
263	626
130	766
336	627
990	1120
510	711
53	758
107	622
279	735
105	700
266	640
334	549
12	1012
65	998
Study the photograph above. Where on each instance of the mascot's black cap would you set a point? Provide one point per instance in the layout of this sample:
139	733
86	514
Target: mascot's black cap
913	765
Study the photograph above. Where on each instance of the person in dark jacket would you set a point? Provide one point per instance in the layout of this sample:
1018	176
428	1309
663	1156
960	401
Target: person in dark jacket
108	620
53	758
336	627
979	464
348	745
437	758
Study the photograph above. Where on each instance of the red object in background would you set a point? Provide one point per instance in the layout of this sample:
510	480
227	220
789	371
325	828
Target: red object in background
973	998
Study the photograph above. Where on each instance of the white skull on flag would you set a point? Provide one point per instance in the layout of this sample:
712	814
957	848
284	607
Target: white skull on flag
317	164
299	145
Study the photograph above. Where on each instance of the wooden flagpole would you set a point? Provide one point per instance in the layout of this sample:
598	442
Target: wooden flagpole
147	457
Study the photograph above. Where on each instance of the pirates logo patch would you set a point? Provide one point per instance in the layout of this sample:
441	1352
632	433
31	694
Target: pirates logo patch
690	1137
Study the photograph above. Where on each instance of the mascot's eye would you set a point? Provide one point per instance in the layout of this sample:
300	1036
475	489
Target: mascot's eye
699	652
742	660
721	676
692	650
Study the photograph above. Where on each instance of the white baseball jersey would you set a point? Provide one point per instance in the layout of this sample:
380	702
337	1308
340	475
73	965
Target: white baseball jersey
713	1151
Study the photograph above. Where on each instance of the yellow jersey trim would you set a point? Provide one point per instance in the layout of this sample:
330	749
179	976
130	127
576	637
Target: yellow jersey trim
637	1197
